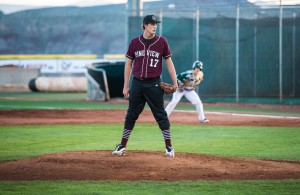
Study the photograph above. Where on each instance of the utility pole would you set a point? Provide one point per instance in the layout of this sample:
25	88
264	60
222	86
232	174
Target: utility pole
280	53
237	52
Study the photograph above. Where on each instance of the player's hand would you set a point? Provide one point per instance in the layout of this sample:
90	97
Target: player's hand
126	92
175	86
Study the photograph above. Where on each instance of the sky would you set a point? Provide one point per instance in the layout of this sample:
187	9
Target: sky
102	2
60	2
18	5
275	2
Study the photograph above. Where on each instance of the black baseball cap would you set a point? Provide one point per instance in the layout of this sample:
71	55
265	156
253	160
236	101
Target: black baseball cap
150	19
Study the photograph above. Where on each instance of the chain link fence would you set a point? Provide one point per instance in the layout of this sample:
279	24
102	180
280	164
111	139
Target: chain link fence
246	51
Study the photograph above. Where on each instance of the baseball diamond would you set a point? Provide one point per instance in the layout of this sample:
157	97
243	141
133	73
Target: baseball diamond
141	165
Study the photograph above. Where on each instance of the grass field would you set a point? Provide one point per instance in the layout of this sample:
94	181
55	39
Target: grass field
287	187
256	142
18	142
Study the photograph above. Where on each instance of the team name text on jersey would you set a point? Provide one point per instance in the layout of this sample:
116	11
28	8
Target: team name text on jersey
149	53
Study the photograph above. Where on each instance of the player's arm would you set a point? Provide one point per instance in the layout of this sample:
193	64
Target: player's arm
127	73
198	78
180	80
172	71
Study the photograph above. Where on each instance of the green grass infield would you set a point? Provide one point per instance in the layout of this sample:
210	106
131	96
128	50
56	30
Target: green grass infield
19	142
144	187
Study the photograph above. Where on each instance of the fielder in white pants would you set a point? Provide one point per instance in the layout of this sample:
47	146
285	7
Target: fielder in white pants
188	80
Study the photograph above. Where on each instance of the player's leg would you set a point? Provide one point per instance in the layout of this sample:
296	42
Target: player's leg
155	99
136	106
193	97
177	95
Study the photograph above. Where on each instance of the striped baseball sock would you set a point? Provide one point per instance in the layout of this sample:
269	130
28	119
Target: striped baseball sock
167	136
125	137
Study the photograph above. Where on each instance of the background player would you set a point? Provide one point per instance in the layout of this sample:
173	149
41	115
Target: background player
188	81
146	52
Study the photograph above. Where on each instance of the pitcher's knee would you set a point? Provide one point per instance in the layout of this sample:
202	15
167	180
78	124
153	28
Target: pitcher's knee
197	102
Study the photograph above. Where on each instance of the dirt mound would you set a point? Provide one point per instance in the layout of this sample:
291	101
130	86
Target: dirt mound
145	165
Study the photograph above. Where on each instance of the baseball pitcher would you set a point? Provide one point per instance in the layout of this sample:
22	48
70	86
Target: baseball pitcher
187	82
145	55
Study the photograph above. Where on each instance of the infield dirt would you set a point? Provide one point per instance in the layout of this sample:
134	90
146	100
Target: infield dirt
140	165
145	165
44	117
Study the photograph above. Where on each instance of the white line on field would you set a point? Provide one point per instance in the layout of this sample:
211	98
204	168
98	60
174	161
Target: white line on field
187	111
240	114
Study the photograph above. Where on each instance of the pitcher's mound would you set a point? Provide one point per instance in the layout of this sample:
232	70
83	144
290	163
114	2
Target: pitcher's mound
145	165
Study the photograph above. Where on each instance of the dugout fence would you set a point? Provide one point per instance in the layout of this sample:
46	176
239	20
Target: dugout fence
105	80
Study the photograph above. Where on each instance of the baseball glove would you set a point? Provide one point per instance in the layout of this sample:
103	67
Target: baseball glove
167	88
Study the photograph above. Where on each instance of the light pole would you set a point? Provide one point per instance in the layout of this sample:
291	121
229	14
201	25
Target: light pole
237	52
280	53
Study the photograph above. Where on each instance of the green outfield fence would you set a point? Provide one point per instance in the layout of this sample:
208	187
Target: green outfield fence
254	66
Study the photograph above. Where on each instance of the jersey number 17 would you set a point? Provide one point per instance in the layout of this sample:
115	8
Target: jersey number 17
155	62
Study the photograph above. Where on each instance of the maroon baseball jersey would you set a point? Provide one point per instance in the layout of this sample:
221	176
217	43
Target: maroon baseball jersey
148	57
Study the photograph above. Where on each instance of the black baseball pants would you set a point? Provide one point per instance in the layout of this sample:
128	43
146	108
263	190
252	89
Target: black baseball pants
149	91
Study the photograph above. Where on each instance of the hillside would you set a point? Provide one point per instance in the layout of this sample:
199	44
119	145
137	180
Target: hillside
82	30
66	30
